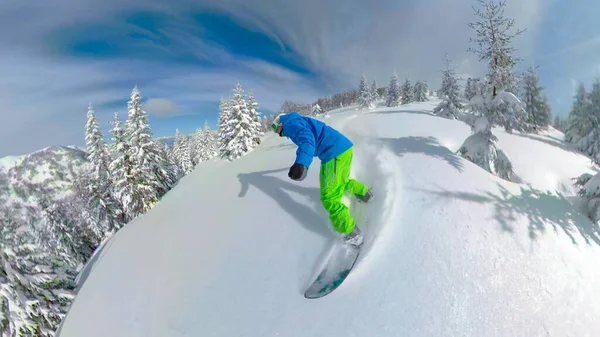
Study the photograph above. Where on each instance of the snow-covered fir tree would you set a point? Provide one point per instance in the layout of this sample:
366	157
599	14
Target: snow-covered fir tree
589	142
317	110
451	105
447	109
208	146
213	140
449	88
393	92
193	148
407	92
181	148
225	132
595	111
240	127
172	166
579	116
420	91
470	89
374	93
584	131
255	116
536	105
160	168
103	206
196	151
480	148
36	288
121	168
364	94
67	230
497	104
144	153
494	45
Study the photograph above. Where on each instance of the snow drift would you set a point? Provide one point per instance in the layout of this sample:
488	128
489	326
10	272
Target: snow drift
450	249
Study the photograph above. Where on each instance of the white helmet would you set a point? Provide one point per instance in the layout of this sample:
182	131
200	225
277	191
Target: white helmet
276	122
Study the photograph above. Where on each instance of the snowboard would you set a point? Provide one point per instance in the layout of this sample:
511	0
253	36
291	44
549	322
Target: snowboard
335	271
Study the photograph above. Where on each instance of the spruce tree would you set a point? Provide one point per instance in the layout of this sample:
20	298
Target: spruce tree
589	142
104	210
420	91
144	154
36	287
536	105
364	94
173	167
407	92
316	110
255	116
470	89
121	168
192	149
182	152
374	94
579	116
451	105
449	88
496	104
225	128
208	143
196	142
494	45
393	92
240	126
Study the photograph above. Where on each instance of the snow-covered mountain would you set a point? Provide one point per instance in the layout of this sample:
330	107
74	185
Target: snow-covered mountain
45	174
450	249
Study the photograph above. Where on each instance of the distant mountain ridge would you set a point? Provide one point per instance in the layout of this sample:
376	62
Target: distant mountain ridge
44	174
48	173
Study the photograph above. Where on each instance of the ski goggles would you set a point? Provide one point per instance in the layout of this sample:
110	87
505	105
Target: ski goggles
274	126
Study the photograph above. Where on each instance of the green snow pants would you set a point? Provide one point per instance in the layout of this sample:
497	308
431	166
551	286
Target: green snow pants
334	181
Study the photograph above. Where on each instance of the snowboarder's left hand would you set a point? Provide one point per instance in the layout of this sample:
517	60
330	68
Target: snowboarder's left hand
297	172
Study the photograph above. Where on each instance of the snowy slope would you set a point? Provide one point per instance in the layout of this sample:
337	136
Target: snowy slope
450	249
10	161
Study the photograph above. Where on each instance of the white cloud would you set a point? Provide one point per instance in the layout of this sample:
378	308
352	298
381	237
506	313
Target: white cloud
161	107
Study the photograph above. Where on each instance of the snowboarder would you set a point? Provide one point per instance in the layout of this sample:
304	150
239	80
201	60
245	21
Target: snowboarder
316	139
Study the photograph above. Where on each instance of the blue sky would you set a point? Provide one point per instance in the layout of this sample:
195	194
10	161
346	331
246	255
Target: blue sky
59	56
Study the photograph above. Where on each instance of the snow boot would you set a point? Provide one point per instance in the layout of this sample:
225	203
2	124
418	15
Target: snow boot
364	198
354	238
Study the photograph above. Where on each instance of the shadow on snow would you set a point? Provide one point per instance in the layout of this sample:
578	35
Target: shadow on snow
553	142
312	220
387	112
425	145
542	210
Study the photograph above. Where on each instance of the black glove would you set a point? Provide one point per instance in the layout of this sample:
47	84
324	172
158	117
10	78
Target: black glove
297	172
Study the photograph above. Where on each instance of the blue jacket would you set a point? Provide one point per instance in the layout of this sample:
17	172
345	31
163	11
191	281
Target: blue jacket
314	138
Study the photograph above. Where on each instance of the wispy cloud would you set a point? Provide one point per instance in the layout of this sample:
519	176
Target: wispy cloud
185	55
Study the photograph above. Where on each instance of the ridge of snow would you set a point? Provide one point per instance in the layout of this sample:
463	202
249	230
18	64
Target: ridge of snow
10	161
449	249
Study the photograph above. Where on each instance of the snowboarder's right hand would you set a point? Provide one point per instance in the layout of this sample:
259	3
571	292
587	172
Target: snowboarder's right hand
297	172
